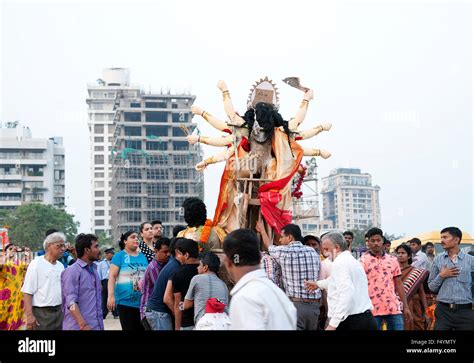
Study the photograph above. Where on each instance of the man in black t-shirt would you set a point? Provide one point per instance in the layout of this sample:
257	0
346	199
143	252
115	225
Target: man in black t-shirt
187	252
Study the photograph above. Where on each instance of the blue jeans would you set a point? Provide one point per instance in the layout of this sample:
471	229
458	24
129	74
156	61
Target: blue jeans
394	322
159	321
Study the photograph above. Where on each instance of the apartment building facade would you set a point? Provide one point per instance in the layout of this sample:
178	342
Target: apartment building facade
350	200
31	169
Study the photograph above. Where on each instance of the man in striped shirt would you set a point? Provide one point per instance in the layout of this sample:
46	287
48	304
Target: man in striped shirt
162	254
451	279
298	263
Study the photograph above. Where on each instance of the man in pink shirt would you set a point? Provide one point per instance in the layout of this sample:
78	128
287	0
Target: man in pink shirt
384	278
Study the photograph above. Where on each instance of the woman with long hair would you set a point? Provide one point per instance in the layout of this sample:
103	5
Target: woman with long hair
413	279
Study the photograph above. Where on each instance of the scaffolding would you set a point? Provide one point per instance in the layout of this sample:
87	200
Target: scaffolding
306	209
153	174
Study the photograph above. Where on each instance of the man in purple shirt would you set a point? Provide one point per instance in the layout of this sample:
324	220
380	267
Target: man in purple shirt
162	255
81	289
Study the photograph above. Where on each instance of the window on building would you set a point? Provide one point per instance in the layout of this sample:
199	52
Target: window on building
133	173
135	159
174	105
180	146
34	171
132	116
133	131
156	104
156	116
97	106
179	216
99	193
99	213
180	117
181	188
98	139
180	159
99	222
197	188
181	174
98	148
178	132
58	160
99	184
132	202
99	203
130	216
157	160
157	203
10	155
133	144
32	185
161	174
99	175
157	145
135	105
36	197
155	131
178	201
133	188
98	159
158	189
99	129
163	216
10	196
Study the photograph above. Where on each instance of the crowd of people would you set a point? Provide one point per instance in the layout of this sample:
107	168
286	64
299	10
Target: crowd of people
252	283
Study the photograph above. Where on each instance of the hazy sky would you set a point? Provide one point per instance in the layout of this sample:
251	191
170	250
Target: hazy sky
395	79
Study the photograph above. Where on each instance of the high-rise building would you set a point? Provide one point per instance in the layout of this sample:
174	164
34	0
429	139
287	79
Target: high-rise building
102	98
31	169
350	200
153	164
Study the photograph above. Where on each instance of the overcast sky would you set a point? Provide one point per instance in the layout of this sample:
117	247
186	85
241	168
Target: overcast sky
394	79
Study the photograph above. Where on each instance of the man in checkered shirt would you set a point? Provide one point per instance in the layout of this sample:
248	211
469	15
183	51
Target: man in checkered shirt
298	263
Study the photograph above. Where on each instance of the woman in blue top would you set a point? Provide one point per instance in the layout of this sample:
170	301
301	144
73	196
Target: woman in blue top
126	269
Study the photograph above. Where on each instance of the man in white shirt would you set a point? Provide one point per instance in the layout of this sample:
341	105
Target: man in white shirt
418	257
257	303
349	303
42	286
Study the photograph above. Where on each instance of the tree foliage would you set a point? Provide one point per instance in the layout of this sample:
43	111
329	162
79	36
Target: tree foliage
105	240
29	222
392	237
359	237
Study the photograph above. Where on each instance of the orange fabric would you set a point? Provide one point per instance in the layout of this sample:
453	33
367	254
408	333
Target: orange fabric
430	314
276	195
227	189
